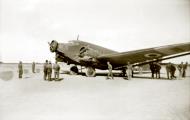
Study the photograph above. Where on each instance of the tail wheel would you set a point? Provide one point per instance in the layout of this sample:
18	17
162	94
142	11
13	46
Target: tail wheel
74	70
90	72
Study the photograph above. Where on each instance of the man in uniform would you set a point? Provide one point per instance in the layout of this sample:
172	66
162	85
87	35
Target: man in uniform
33	67
49	70
45	69
20	70
184	69
168	67
110	74
180	67
157	69
172	71
152	68
129	70
56	68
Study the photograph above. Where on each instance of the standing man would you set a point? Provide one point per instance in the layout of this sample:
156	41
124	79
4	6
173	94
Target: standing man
157	69
20	69
56	68
49	70
129	70
168	69
110	74
184	69
152	68
172	71
180	68
33	67
45	69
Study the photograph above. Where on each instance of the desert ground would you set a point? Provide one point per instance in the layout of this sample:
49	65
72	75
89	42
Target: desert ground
78	97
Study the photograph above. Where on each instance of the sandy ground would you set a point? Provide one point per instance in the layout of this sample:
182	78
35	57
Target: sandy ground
82	98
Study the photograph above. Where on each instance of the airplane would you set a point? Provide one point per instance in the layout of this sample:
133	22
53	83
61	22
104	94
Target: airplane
94	57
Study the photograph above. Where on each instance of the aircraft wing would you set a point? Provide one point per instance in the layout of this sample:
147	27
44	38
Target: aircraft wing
143	55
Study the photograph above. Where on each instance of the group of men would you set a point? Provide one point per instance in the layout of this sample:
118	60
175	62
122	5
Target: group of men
155	69
182	69
171	68
20	69
47	70
128	71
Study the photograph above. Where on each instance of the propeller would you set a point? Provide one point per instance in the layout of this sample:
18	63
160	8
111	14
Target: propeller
53	45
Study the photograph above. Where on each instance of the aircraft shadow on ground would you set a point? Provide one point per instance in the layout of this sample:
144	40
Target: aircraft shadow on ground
145	77
119	75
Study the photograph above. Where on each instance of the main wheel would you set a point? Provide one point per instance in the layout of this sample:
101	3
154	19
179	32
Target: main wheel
74	70
90	72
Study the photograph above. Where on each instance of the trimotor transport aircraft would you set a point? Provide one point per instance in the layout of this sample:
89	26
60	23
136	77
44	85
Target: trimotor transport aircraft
93	57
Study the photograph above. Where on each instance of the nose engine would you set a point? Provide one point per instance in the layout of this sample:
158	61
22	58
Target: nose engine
53	46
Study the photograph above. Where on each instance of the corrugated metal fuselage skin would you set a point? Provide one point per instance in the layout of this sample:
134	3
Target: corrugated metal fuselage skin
90	55
69	52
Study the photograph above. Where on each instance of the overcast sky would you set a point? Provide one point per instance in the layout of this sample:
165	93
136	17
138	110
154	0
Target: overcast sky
27	25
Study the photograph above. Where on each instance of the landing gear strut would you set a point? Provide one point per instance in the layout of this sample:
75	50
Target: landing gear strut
123	74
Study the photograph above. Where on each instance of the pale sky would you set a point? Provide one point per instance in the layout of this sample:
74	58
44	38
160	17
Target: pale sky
26	26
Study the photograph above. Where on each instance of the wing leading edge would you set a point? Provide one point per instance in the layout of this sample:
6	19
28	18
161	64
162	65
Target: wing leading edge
143	55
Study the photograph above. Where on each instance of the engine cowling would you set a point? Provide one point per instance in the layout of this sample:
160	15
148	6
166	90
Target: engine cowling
53	46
